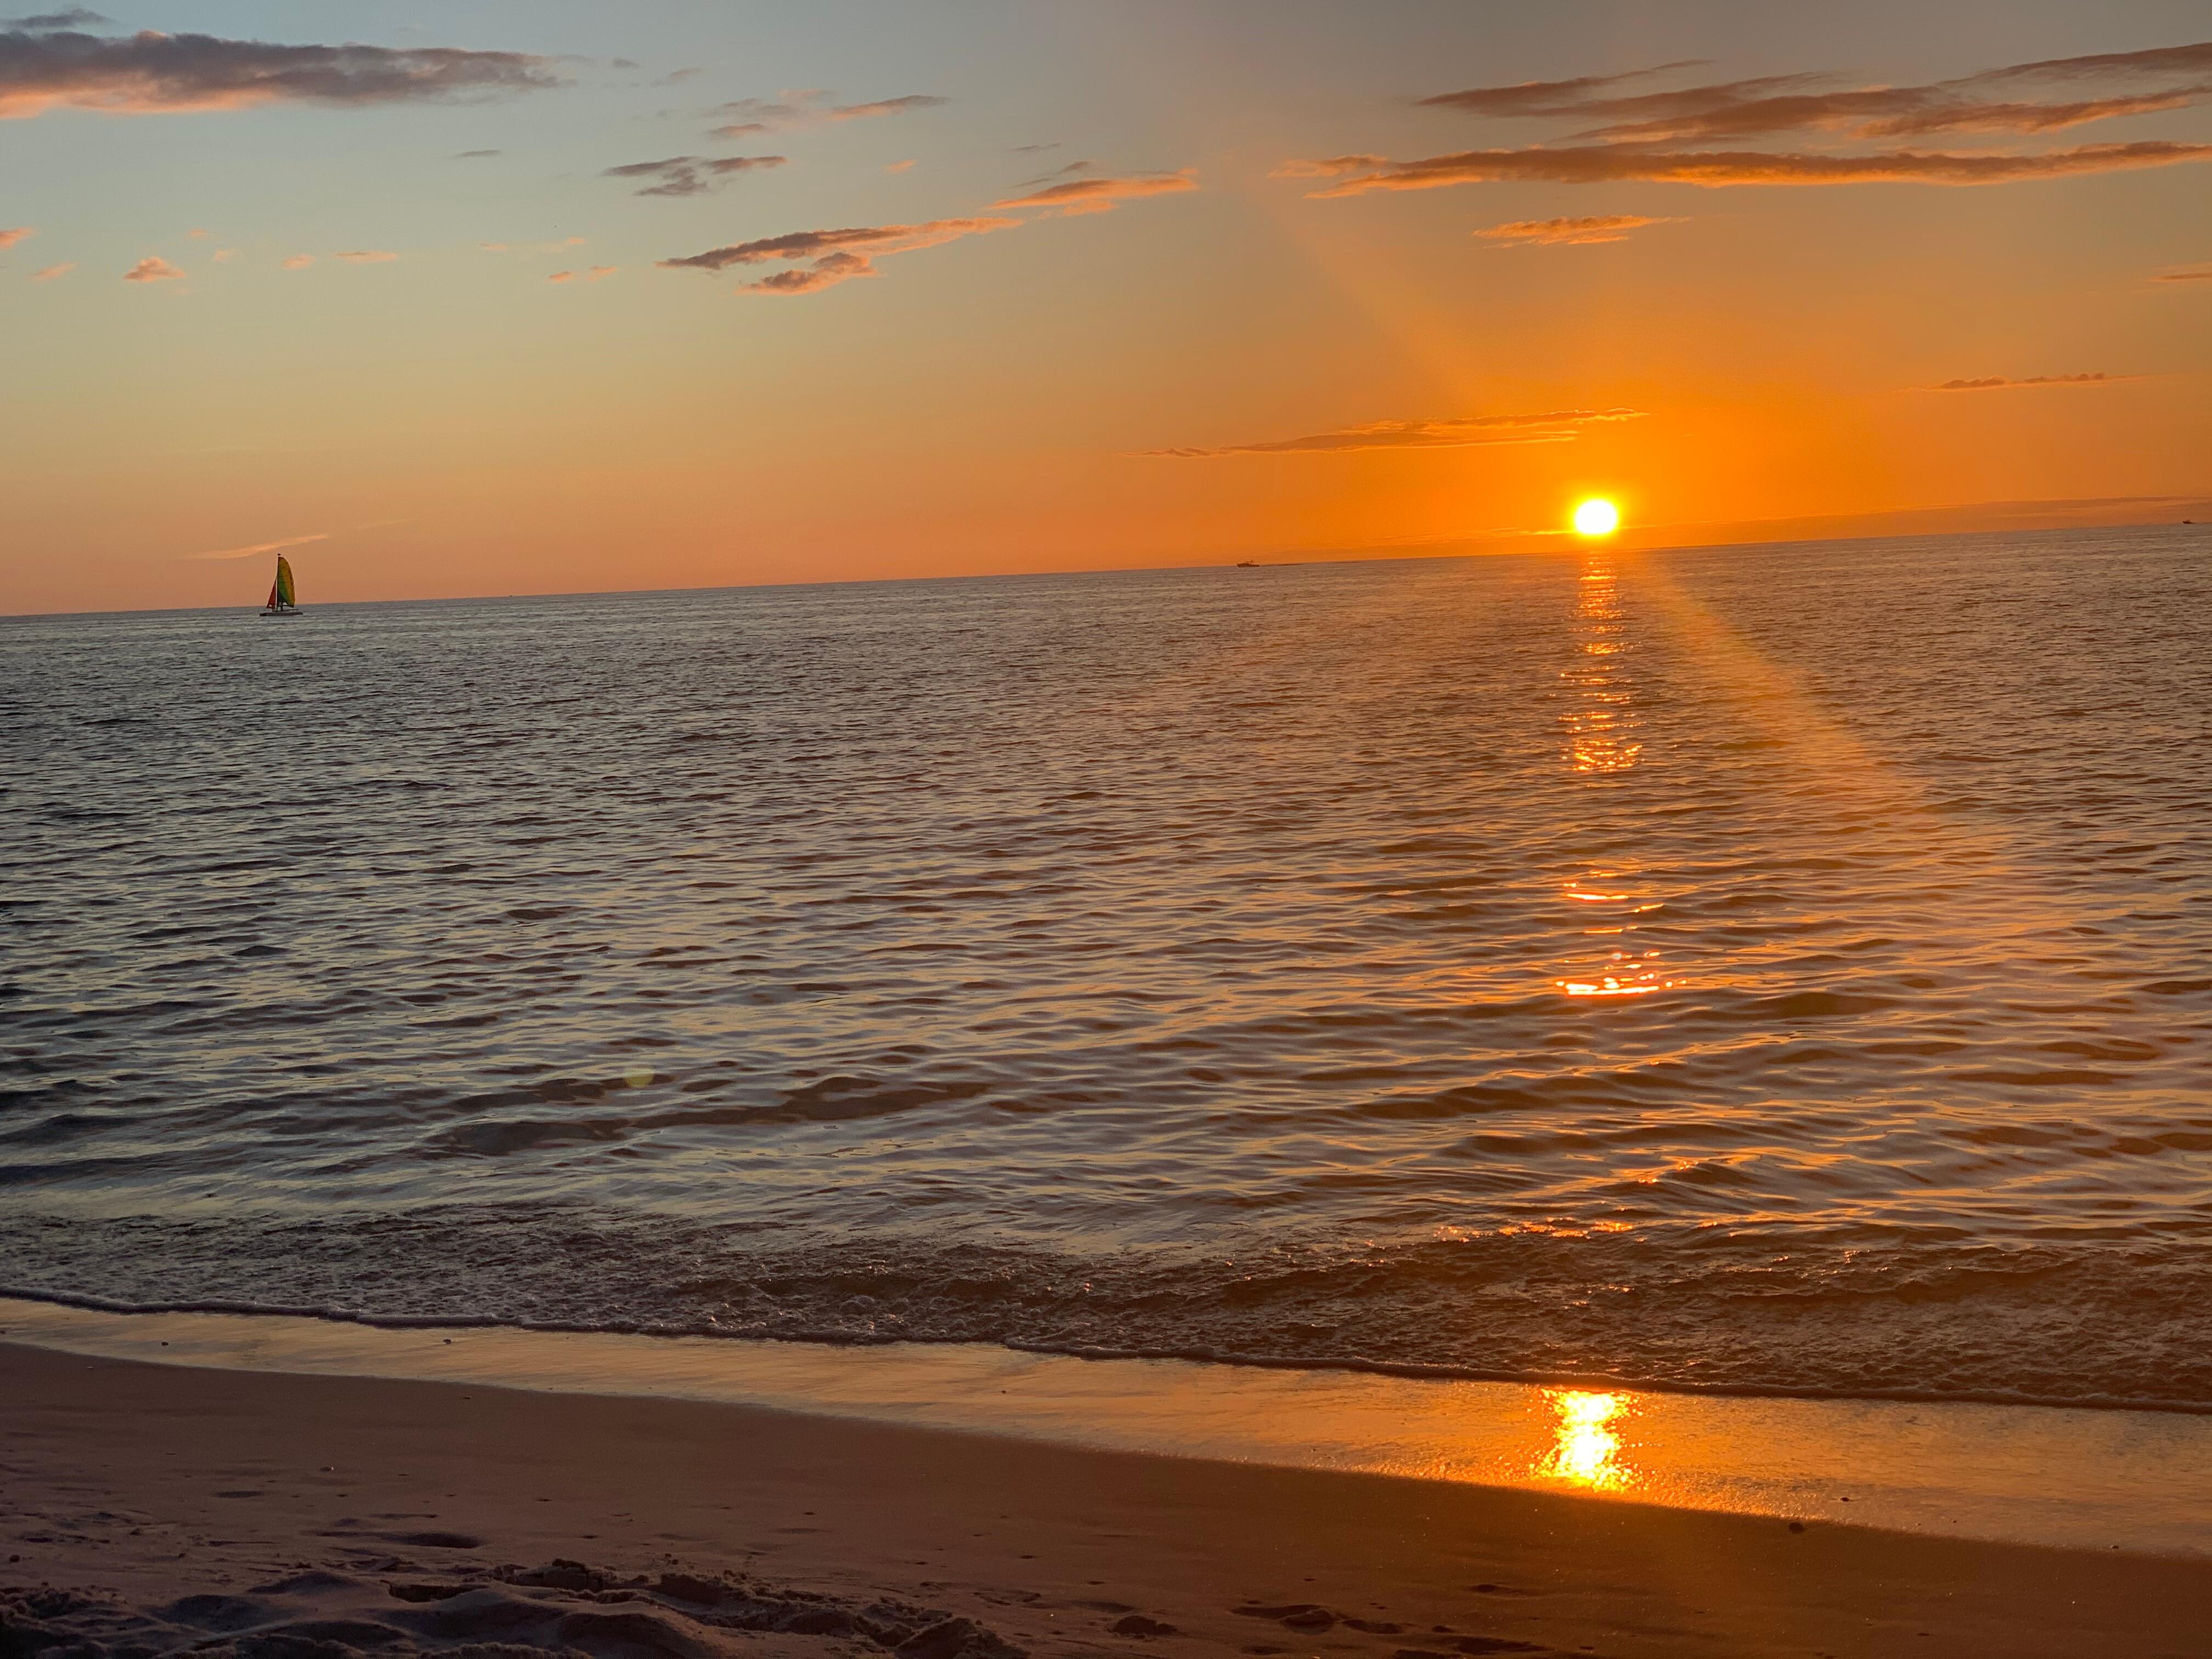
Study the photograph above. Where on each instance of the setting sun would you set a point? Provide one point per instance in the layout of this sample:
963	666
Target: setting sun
1596	517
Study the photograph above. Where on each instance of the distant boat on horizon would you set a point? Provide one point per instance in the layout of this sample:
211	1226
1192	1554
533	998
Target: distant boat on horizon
282	602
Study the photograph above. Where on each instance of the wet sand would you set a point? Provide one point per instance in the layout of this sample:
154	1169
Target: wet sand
165	1507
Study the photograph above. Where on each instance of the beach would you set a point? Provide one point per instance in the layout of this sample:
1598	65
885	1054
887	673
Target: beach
138	1493
1312	832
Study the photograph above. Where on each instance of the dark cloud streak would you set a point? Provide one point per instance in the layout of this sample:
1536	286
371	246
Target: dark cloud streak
835	255
2002	383
757	115
1611	163
1556	426
153	74
1542	97
692	175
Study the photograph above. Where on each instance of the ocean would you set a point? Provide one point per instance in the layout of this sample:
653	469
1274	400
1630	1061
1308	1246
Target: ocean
1767	969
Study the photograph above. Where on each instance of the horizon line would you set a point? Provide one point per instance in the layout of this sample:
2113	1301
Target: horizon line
1490	543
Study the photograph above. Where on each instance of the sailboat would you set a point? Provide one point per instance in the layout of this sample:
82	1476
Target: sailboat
280	601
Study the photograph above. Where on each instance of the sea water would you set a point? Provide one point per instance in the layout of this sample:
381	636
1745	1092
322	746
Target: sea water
1783	968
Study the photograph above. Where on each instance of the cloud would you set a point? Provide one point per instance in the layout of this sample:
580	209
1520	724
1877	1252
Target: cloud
1557	426
691	175
1067	171
835	255
366	256
826	272
1998	382
886	106
1101	195
898	166
1611	164
199	235
1885	112
2158	60
299	262
596	274
8	238
45	22
832	256
2203	276
49	273
1607	227
475	155
148	73
1807	102
1328	166
812	107
1543	97
1691	135
223	256
260	547
153	269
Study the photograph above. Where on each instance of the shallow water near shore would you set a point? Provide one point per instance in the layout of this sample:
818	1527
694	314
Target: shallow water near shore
1770	968
2084	1479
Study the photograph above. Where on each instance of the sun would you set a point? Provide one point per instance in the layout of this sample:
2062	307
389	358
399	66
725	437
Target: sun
1596	517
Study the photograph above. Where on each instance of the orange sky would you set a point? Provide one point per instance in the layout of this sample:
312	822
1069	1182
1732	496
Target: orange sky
1073	286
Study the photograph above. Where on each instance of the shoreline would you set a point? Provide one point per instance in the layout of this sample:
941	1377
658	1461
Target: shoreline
2140	1482
375	1514
1398	1370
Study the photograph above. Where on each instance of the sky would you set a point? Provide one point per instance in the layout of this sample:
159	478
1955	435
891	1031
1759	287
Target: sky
489	297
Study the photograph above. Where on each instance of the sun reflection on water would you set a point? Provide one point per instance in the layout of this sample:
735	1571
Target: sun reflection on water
1600	743
1585	1451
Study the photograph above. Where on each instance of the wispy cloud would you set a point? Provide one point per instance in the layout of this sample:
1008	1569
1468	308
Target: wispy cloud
16	233
299	261
1987	101
1611	164
899	167
691	175
475	155
50	273
148	73
261	547
1554	426
45	22
366	256
1546	97
153	269
1076	196
2203	276
1603	227
833	256
1689	135
2000	383
596	273
1070	171
748	116
223	256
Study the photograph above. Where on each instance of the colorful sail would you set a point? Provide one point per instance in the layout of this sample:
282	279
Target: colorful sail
282	593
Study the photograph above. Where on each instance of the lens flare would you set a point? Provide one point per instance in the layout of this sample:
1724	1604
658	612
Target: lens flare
1596	517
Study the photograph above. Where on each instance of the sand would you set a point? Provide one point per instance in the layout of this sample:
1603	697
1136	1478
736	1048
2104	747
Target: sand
156	1509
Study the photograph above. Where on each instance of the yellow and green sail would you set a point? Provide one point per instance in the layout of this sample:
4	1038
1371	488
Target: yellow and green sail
281	594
